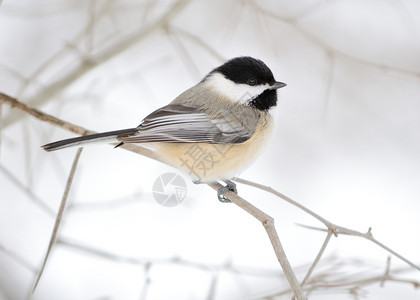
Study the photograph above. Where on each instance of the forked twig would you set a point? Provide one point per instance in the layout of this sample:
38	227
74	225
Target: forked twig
268	223
332	228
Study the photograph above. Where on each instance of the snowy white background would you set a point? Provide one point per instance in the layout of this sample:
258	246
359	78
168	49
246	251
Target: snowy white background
347	146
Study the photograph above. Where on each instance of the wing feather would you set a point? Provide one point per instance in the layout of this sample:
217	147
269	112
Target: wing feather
176	123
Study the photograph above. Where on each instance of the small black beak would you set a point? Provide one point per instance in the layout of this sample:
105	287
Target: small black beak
277	85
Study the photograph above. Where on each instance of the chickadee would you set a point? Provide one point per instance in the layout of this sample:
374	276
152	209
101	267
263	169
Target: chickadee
213	130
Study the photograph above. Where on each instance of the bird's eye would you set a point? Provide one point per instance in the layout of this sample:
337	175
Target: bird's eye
252	81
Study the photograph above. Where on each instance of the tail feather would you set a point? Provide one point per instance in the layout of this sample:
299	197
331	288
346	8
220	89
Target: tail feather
110	136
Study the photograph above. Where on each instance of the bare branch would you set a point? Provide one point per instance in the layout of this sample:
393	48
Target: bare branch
268	223
318	257
59	215
284	197
334	228
387	269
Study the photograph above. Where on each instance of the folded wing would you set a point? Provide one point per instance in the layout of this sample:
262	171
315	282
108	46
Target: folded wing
183	124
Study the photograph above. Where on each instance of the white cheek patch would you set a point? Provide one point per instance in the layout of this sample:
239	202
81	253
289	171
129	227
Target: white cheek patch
242	93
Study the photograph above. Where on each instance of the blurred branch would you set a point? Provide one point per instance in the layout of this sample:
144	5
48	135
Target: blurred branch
78	38
147	281
107	204
18	259
182	52
310	8
199	42
37	201
103	56
387	270
257	272
59	214
357	284
316	40
332	280
318	258
213	286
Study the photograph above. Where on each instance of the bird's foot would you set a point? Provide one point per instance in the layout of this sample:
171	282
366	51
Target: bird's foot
230	186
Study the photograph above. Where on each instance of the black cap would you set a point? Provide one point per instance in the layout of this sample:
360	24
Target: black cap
246	70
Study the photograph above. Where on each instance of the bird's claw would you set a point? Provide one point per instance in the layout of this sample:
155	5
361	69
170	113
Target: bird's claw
230	186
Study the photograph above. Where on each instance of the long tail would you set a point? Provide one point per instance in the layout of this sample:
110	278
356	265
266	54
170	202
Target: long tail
109	137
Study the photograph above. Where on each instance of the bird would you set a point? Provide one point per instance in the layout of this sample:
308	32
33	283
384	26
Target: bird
213	130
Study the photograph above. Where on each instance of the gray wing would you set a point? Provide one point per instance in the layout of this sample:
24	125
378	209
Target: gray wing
178	123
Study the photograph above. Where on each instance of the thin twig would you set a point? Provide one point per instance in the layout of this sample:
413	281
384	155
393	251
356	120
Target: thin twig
146	282
284	197
387	269
59	215
318	257
268	223
336	229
